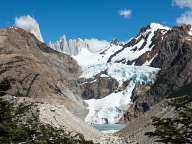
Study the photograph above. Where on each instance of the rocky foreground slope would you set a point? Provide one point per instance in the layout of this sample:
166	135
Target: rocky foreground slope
40	75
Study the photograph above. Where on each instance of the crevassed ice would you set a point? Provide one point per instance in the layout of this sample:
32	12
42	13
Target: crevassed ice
111	108
122	72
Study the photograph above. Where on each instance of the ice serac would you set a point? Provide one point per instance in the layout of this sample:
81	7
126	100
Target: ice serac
29	24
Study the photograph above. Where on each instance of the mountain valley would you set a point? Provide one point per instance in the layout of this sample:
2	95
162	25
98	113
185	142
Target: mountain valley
75	84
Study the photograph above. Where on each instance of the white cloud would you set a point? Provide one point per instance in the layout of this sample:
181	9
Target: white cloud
185	18
183	3
125	13
26	22
29	24
96	45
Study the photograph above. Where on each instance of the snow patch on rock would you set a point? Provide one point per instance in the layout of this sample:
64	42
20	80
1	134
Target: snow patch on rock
134	52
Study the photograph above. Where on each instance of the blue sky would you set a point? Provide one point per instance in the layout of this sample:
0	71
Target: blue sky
91	18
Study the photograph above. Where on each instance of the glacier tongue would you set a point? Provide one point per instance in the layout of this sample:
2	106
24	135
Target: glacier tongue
111	108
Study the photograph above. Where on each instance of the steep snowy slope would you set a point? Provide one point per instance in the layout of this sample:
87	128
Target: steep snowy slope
86	57
87	51
143	46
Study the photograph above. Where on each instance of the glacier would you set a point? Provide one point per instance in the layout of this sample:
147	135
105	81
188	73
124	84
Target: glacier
111	108
107	58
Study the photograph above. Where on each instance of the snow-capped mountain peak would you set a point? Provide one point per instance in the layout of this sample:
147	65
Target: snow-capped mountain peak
142	45
140	50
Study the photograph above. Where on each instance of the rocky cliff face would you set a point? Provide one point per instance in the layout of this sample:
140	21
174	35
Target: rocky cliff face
98	87
174	59
37	70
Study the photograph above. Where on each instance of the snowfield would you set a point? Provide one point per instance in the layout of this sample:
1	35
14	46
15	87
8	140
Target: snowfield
87	58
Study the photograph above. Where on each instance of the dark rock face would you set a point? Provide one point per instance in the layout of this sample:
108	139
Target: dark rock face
175	60
98	87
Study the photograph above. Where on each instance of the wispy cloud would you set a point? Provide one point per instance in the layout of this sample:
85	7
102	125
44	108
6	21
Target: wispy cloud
186	17
26	22
183	3
126	13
